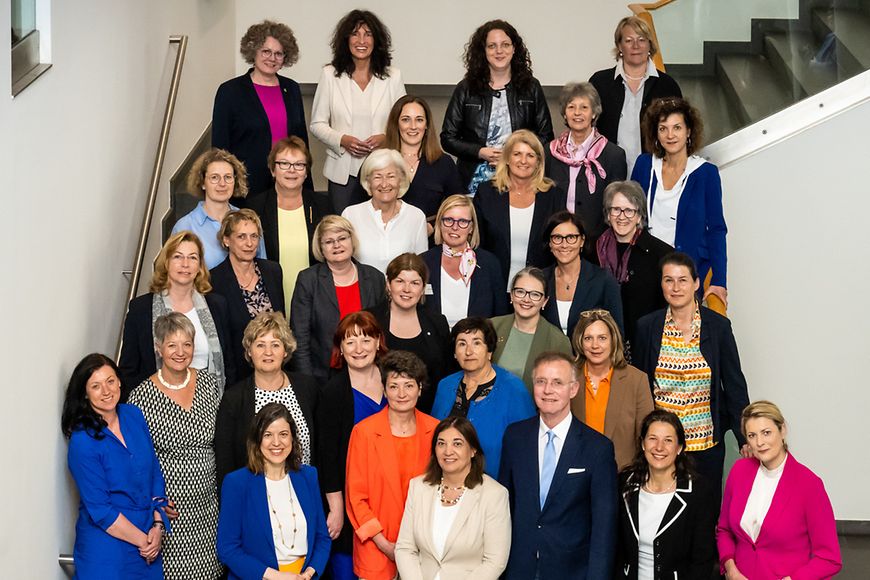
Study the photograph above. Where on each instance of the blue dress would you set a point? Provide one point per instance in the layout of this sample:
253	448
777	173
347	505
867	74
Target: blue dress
113	479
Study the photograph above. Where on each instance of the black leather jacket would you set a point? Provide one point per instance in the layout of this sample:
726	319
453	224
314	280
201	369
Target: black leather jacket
466	121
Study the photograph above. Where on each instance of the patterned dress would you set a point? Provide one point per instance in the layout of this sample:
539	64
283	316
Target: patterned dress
184	442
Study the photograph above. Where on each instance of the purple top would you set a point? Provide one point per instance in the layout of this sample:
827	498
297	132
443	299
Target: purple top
273	103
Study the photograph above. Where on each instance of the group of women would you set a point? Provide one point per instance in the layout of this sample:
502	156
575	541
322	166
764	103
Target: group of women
337	331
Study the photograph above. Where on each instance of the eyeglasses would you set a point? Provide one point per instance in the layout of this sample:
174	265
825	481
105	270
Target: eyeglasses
462	223
557	239
628	212
534	295
632	41
294	165
335	241
267	53
505	46
214	178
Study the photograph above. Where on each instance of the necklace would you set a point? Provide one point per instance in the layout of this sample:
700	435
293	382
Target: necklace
170	386
245	285
656	491
631	78
282	384
442	488
278	521
349	282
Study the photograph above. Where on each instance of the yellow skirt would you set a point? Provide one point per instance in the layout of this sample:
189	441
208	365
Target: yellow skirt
295	566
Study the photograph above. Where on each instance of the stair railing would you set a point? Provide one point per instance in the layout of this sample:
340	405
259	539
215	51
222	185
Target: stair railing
642	11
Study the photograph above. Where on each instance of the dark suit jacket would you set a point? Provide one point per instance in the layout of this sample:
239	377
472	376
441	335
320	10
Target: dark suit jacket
432	184
488	293
436	351
239	124
138	361
595	289
493	215
573	536
684	544
266	205
589	206
612	93
314	314
236	412
728	392
225	283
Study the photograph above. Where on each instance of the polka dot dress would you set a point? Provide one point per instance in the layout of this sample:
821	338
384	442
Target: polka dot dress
184	441
287	397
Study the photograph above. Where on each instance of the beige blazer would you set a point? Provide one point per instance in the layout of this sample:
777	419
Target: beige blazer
477	545
332	115
629	402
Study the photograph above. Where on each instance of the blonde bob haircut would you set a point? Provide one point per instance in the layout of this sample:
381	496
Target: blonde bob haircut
765	410
196	177
160	279
332	223
381	159
458	200
502	179
234	218
264	323
641	27
617	348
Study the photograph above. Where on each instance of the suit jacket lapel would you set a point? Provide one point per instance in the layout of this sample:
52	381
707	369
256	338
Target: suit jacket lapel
581	291
261	509
631	497
781	497
468	505
569	450
615	402
386	453
344	82
306	502
327	286
578	403
378	87
676	507
254	99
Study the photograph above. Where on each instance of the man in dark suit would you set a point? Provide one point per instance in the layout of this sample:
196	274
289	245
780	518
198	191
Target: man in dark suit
561	476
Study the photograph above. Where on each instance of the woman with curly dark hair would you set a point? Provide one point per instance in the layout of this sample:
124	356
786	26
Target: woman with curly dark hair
497	96
354	96
261	107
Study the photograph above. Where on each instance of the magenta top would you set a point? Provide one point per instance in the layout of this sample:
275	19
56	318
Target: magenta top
273	103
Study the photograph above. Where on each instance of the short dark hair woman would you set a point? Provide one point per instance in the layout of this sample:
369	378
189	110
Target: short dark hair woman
276	493
454	489
497	96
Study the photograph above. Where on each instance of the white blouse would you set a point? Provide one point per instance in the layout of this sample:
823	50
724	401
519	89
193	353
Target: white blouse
289	545
200	342
564	308
521	227
442	522
651	508
759	500
379	243
454	298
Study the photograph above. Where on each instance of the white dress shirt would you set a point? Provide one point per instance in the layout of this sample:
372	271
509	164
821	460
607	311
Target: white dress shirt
560	432
759	500
628	133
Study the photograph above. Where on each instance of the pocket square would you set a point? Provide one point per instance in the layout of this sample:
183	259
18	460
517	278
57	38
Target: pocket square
573	470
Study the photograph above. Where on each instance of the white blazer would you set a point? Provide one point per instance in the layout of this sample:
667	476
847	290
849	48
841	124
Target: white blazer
332	115
478	543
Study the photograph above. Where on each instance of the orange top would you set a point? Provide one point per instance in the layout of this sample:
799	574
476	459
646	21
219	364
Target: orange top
379	467
596	403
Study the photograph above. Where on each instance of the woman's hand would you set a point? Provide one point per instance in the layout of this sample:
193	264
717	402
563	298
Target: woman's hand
720	292
385	546
376	141
354	146
171	510
746	451
334	523
490	154
150	549
732	573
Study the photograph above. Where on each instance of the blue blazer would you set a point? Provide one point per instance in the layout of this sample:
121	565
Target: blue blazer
574	535
244	537
701	225
488	294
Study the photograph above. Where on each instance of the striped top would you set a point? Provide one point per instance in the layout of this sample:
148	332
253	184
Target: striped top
683	380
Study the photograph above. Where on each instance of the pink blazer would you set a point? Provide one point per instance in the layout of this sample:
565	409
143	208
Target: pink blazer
798	537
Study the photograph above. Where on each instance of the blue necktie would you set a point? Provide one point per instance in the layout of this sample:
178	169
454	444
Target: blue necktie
548	467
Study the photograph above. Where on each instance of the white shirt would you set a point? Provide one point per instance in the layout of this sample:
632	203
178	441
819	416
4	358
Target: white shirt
564	308
279	494
663	213
560	432
760	498
651	509
454	298
379	243
628	133
521	227
200	342
442	522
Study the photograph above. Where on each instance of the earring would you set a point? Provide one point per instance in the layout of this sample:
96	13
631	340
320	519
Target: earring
620	54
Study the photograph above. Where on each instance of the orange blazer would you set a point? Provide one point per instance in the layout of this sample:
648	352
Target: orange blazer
629	402
375	496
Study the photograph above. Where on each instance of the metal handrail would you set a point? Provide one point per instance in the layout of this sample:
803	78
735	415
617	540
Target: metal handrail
136	271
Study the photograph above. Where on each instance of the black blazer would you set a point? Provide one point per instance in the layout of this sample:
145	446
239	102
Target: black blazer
466	121
138	361
684	546
493	213
316	207
595	289
225	283
488	293
435	347
236	412
612	93
642	293
728	392
432	184
239	124
589	206
314	313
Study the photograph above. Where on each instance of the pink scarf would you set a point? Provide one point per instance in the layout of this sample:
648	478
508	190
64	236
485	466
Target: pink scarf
467	263
559	149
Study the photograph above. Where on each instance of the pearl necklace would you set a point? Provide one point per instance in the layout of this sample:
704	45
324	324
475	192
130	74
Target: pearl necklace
170	386
278	521
448	502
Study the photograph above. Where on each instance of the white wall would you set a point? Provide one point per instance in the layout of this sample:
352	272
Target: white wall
76	150
568	40
684	25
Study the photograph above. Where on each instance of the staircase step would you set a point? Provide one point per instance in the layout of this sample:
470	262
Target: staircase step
791	53
706	95
754	86
852	30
